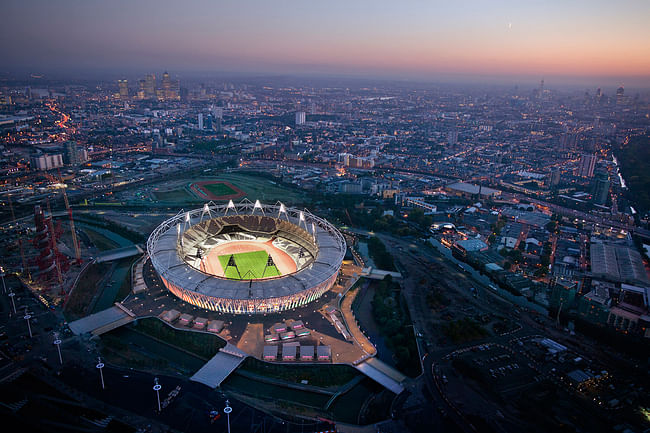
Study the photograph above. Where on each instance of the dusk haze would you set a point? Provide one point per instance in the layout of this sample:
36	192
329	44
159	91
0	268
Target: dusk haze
412	39
284	216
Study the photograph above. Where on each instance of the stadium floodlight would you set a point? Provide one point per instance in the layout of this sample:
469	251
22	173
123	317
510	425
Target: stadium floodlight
283	210
301	218
206	209
257	205
231	205
187	221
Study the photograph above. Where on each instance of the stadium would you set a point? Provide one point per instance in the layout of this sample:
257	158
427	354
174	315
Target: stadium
247	258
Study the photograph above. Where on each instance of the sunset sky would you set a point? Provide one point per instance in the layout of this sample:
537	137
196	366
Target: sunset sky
401	39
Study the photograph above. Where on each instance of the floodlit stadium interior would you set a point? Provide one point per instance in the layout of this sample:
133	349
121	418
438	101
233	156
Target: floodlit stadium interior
247	258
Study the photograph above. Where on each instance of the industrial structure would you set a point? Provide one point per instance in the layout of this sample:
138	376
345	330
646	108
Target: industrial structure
51	263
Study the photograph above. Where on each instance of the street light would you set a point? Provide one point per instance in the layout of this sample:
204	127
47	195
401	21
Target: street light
157	387
100	366
27	317
13	303
57	343
227	411
2	275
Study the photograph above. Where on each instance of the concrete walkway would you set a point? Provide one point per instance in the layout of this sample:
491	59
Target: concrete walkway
217	369
103	321
383	374
353	326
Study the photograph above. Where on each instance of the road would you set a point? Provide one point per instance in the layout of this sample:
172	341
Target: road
419	262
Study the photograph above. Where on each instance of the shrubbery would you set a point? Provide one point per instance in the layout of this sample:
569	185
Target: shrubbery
395	325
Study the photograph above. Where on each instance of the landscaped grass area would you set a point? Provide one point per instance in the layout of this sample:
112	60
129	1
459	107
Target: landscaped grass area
175	195
200	344
267	391
262	188
255	187
316	375
352	406
348	406
251	265
100	241
117	287
394	323
80	298
126	347
219	189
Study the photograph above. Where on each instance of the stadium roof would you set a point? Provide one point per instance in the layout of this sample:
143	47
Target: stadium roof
164	252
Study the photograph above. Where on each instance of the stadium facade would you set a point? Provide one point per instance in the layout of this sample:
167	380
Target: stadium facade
179	246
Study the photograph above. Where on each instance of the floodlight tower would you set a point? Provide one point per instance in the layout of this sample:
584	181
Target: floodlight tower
230	206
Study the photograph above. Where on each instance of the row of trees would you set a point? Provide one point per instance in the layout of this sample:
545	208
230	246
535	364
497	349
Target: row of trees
199	343
463	330
382	258
125	232
394	324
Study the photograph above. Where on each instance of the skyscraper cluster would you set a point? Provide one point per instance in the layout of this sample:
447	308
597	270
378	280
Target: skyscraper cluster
150	89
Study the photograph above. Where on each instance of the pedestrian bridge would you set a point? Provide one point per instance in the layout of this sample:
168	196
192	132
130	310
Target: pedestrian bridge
378	274
383	374
119	253
103	321
217	369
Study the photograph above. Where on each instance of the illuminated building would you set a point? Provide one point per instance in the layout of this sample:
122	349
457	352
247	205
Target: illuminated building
187	250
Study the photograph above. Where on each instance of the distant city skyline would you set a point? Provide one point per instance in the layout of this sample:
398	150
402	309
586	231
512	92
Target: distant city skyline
405	40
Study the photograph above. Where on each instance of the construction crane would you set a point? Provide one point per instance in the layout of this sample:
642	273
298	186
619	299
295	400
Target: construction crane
73	232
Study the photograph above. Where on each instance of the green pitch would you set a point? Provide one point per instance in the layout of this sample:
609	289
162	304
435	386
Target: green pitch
254	261
219	189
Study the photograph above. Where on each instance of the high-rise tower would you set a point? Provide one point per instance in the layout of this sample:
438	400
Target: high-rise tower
300	117
587	165
123	86
150	86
